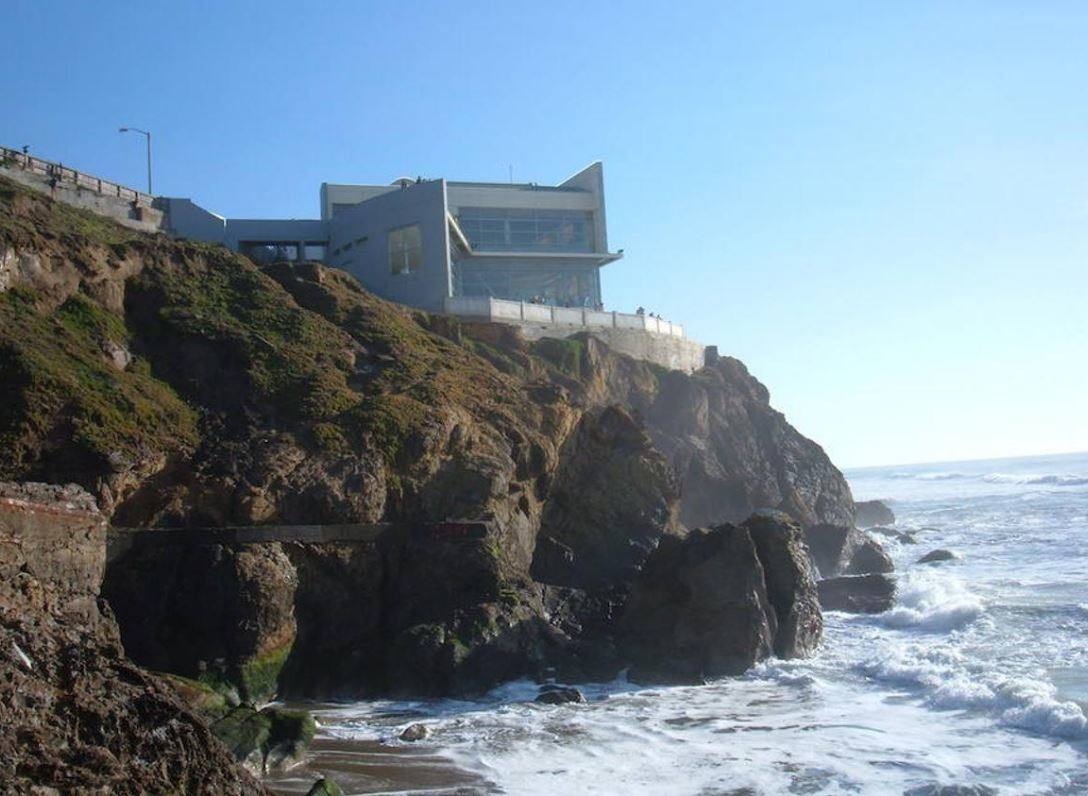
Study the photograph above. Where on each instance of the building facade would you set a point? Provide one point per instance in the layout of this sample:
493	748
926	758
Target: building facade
423	242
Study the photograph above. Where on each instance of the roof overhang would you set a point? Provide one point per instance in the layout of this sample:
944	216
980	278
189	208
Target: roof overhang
599	258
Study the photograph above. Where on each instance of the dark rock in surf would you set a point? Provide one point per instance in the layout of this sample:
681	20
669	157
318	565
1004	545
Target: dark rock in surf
936	556
559	695
719	600
790	583
842	550
872	512
414	732
903	537
857	594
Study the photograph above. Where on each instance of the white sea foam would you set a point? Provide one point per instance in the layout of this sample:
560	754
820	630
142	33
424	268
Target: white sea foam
932	601
1051	478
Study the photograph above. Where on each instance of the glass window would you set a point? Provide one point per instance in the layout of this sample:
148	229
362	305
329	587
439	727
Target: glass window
512	229
405	249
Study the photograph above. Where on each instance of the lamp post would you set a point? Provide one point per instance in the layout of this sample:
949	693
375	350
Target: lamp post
146	134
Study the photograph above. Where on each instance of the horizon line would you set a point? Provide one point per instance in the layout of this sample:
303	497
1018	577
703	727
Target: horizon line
966	461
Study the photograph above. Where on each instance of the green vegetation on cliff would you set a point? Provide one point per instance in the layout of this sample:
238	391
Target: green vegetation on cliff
62	387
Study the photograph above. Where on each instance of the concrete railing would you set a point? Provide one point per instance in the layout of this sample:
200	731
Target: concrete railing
13	158
504	311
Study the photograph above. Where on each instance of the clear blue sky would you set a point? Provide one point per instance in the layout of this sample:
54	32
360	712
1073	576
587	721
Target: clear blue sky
882	208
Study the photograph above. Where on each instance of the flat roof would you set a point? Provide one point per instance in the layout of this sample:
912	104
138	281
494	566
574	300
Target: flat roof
517	186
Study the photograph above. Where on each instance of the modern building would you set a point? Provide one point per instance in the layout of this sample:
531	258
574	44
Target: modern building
524	255
422	242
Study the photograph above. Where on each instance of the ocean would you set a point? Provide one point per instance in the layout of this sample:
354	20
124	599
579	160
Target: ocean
977	676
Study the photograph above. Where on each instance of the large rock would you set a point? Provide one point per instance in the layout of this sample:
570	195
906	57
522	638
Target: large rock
790	585
710	605
733	453
845	550
857	594
937	556
612	500
77	715
221	613
872	512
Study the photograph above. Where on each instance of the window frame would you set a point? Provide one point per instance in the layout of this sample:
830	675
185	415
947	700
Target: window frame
404	252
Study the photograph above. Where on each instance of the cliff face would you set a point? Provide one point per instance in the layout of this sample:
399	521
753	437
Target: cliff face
76	714
184	386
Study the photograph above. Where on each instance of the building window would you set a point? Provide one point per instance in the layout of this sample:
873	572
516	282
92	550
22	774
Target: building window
405	249
507	229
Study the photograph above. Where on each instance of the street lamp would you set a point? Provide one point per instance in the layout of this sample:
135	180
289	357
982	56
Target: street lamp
148	136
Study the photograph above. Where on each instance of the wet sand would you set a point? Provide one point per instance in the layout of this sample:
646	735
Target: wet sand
371	767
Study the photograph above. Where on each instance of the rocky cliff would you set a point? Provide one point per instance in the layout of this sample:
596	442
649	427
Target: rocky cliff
76	715
184	386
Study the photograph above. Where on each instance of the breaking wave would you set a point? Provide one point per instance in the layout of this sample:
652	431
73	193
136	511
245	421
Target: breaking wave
1053	479
951	682
1059	480
932	602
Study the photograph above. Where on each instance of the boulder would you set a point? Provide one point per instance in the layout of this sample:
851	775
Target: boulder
289	737
244	731
857	594
559	695
843	550
872	512
222	613
704	606
325	787
936	556
414	732
266	740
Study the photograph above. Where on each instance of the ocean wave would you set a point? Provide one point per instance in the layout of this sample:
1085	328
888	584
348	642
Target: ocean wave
1041	479
932	602
1049	478
929	476
951	683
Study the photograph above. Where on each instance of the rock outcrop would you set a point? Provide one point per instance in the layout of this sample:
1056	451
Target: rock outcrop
290	395
845	550
872	512
937	556
705	606
857	594
77	715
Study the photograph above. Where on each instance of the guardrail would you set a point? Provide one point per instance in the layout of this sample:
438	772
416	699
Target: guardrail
506	311
66	175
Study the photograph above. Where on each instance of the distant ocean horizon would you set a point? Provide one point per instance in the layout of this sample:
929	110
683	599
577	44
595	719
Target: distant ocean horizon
968	461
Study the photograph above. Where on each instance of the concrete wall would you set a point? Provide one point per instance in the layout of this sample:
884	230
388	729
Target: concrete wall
189	220
335	194
240	230
591	179
141	217
361	234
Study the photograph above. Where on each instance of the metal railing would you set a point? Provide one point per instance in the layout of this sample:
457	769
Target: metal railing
64	175
505	311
